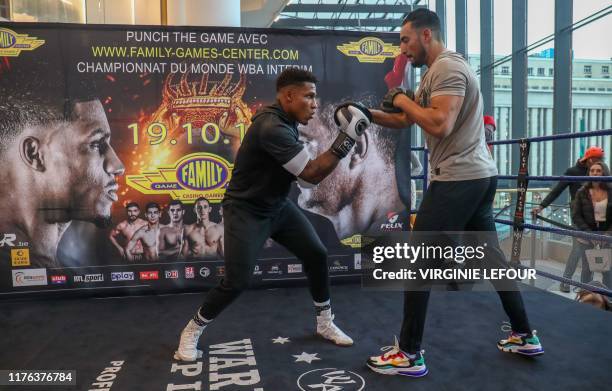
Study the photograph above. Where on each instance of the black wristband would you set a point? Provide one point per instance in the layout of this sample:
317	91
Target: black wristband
389	108
342	145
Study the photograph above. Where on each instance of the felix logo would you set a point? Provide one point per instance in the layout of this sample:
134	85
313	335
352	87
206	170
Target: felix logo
8	240
392	224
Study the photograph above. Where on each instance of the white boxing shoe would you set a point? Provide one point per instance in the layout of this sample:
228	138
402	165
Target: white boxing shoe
328	330
187	350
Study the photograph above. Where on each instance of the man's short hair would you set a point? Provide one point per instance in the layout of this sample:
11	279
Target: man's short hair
177	202
294	76
203	199
43	98
425	18
153	205
386	140
132	205
19	112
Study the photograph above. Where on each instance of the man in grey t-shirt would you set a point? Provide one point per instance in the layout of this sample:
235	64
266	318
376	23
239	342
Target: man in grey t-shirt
458	151
448	107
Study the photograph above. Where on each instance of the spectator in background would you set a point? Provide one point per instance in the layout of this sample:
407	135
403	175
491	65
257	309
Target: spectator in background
591	211
490	127
581	168
592	154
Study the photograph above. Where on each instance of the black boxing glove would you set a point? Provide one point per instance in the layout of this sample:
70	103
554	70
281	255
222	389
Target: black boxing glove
342	145
387	103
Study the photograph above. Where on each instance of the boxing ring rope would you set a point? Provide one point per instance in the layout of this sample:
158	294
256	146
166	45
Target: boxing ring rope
560	178
561	136
560	231
522	184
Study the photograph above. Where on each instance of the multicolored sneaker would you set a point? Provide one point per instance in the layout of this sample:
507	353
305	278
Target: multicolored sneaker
395	362
527	345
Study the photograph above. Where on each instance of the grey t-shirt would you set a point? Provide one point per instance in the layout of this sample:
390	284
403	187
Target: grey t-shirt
463	154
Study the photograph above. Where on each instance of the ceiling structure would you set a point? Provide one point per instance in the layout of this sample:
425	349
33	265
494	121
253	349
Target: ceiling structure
260	13
361	15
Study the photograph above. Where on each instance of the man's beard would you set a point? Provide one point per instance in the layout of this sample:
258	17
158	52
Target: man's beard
420	60
418	63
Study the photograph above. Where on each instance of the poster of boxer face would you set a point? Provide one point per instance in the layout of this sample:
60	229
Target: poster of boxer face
117	144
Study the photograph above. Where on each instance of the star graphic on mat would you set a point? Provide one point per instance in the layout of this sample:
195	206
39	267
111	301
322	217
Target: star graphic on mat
280	340
306	357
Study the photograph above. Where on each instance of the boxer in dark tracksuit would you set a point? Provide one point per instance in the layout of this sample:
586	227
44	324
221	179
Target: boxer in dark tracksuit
256	206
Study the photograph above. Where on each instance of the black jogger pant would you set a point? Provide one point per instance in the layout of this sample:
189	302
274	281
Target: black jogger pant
460	206
245	233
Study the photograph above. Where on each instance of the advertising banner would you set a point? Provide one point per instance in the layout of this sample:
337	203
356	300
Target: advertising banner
117	144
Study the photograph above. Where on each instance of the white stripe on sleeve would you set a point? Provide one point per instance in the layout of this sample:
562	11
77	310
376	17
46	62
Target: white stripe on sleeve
297	164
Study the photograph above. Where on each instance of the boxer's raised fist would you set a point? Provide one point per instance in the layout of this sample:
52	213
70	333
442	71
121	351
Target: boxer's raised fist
353	118
387	103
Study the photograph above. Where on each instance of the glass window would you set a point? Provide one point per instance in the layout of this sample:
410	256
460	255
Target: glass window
502	41
451	39
605	69
591	52
551	72
540	24
4	9
473	31
127	12
65	11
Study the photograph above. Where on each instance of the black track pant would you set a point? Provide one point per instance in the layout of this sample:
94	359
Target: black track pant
245	233
460	206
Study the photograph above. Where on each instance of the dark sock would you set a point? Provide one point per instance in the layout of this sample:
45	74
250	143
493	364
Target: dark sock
201	320
320	307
